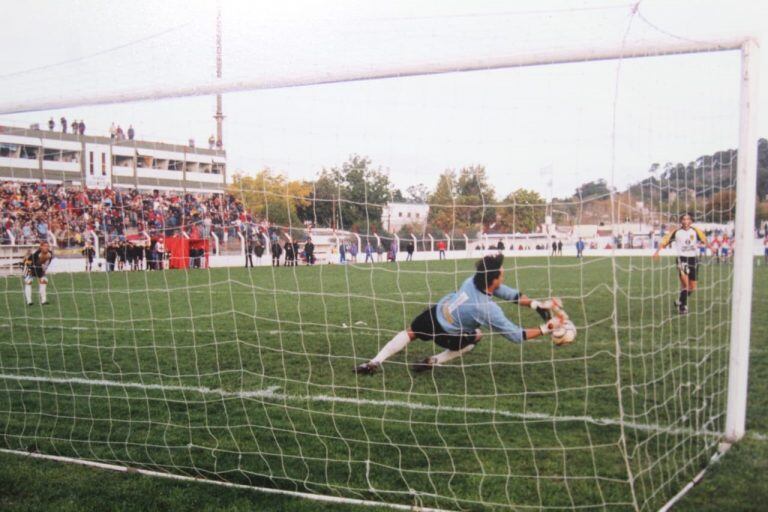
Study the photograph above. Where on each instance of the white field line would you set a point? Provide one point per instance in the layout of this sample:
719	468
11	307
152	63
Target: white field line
184	478
271	393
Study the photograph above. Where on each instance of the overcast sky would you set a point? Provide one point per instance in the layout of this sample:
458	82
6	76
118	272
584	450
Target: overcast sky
527	126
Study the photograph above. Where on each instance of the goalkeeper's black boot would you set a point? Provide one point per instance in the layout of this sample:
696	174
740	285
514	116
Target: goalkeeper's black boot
367	368
683	310
423	366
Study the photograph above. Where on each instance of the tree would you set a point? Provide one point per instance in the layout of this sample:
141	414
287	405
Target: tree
522	211
271	196
417	193
461	201
442	207
592	189
349	197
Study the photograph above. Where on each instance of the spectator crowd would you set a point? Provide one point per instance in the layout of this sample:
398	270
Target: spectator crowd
31	211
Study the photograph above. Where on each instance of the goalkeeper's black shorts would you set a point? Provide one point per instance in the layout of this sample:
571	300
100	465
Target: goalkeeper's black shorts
688	265
426	327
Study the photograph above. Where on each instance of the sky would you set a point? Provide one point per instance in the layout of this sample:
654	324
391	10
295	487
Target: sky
546	128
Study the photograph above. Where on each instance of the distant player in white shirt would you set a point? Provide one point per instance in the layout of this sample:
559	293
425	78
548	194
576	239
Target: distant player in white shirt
685	240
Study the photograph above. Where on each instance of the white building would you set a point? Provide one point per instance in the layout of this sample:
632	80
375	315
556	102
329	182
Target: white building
396	215
34	155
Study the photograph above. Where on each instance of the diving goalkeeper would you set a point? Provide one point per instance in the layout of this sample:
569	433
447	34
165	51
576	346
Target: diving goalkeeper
453	323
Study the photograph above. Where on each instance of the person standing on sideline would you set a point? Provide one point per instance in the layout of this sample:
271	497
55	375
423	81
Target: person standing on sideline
765	248
250	248
559	247
441	249
89	252
409	249
368	252
309	251
580	248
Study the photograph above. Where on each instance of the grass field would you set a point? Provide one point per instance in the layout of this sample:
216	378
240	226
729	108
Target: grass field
245	377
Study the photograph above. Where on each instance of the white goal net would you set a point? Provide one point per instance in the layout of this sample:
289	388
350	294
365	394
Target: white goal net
222	342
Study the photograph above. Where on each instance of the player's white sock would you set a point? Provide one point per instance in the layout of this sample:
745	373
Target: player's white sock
449	355
392	347
28	292
43	296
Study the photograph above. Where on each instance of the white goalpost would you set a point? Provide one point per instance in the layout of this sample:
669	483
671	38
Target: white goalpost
185	363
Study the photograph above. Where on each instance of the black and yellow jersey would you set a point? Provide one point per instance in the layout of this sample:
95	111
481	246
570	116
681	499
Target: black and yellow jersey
684	241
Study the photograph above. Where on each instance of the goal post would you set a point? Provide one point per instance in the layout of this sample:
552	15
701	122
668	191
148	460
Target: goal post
746	183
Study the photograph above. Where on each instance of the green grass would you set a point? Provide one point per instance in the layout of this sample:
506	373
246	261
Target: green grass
245	377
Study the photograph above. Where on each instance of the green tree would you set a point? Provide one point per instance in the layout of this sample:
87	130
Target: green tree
462	201
442	206
522	211
592	189
271	196
351	196
417	193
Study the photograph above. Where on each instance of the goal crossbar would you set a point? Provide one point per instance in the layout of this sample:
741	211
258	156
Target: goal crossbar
355	74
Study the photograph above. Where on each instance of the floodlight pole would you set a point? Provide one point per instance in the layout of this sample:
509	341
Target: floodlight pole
746	188
219	110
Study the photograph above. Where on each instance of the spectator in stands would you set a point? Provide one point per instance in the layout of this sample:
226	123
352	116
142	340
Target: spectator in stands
81	127
211	142
63	122
131	132
113	131
51	124
500	246
120	133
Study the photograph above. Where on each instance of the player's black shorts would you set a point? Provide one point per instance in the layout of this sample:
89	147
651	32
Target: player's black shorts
426	327
33	271
688	265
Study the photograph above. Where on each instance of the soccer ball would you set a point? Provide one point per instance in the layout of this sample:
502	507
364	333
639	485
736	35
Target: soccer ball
565	334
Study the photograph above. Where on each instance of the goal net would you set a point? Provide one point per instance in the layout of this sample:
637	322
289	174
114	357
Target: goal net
358	205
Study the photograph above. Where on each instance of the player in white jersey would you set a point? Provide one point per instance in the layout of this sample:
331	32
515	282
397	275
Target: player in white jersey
685	239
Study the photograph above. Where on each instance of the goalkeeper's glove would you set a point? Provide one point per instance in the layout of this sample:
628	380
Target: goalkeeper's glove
545	308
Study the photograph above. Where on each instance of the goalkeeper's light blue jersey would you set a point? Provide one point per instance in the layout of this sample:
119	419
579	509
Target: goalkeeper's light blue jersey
468	308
